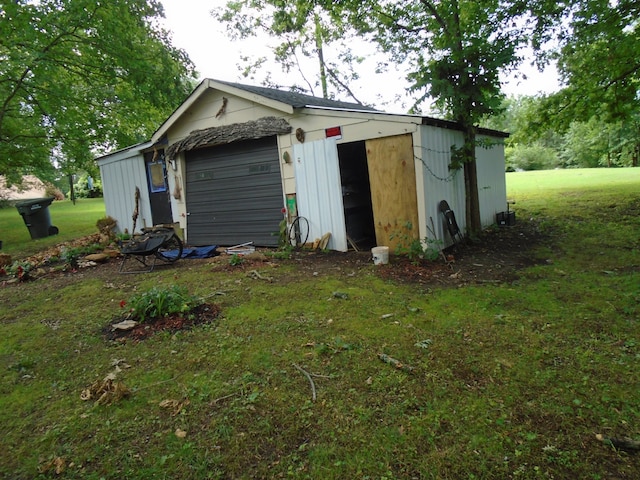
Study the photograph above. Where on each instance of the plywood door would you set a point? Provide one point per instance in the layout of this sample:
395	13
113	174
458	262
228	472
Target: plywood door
393	189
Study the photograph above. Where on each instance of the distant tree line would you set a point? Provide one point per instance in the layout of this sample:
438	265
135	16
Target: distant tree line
591	143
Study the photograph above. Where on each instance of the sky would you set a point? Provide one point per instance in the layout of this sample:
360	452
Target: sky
216	56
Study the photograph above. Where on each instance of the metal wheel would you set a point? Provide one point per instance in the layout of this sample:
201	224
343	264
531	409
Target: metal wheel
170	250
299	232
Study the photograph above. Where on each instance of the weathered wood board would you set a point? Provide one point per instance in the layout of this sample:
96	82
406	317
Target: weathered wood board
393	189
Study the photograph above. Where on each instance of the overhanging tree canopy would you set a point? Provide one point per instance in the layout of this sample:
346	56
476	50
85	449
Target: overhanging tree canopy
302	30
456	48
81	76
596	45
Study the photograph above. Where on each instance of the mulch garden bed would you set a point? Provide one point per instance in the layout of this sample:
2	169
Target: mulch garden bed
202	314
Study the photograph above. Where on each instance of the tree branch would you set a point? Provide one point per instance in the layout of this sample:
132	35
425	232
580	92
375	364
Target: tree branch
342	84
431	8
58	39
313	385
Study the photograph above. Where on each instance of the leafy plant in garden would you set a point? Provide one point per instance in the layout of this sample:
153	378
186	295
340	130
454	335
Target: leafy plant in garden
161	302
19	270
71	255
414	248
236	260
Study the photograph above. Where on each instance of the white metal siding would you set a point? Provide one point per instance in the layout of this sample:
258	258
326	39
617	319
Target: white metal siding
319	191
120	177
492	187
439	182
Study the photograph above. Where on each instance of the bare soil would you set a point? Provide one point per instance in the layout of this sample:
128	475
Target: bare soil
496	256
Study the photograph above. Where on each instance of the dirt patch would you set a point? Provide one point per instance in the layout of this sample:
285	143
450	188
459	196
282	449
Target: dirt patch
496	256
202	314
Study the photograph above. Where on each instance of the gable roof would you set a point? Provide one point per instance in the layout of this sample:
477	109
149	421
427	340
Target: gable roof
281	100
287	102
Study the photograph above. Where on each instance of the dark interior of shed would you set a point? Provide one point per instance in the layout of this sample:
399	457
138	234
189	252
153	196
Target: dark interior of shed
356	195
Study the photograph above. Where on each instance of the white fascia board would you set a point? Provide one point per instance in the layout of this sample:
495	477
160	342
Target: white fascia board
342	112
123	153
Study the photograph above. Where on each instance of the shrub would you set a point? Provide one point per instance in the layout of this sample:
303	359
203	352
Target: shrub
18	269
81	187
161	302
106	226
534	157
414	248
53	191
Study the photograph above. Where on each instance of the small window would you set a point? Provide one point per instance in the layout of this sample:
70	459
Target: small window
157	182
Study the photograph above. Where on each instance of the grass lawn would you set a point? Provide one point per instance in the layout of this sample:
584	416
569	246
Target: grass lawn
508	380
73	221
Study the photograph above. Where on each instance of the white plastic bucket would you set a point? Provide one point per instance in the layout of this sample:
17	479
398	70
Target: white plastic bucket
380	255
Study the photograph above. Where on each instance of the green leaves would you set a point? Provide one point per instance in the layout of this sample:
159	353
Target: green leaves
304	33
595	44
83	76
160	302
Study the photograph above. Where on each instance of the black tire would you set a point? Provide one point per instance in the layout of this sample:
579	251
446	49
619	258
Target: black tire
167	251
298	232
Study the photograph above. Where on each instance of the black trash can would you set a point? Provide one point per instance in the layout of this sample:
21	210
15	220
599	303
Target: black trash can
35	213
506	219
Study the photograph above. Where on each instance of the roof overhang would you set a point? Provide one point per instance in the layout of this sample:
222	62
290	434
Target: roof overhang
406	117
209	137
437	122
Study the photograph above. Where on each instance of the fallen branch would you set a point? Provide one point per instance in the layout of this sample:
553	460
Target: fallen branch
156	383
622	443
225	397
396	363
213	295
313	385
256	275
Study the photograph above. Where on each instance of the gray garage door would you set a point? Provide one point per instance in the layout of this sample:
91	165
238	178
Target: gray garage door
234	194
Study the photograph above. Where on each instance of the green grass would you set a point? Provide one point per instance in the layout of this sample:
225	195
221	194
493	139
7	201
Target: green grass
73	221
509	380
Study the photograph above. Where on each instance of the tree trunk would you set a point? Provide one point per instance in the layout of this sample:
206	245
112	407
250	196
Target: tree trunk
474	223
72	192
319	46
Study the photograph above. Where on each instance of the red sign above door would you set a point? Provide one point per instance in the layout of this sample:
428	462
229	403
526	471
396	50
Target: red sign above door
335	132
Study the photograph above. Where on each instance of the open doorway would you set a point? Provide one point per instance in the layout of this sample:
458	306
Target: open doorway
356	195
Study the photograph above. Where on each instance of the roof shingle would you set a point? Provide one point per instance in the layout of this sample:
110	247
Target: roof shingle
297	100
